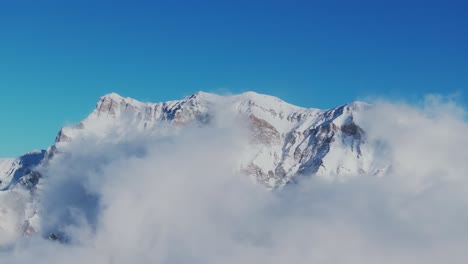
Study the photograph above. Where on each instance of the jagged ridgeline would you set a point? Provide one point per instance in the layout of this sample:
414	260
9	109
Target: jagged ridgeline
285	140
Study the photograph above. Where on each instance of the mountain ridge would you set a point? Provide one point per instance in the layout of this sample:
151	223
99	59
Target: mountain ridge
287	140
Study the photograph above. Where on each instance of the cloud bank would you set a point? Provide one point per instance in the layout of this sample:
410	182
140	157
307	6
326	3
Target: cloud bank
179	198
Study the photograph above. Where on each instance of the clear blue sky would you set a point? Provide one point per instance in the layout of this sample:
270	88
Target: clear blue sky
58	57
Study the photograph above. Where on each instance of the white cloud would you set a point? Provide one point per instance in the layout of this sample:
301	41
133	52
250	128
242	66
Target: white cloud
179	199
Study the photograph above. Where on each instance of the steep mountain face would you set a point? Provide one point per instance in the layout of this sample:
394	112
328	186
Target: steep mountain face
286	140
21	170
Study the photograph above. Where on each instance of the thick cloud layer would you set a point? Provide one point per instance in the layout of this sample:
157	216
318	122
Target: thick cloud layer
179	199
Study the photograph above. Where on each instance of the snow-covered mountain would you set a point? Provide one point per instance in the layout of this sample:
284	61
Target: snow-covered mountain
176	178
286	141
20	170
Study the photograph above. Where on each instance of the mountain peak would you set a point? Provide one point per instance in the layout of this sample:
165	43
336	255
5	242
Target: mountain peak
201	94
356	106
285	139
118	98
111	102
112	96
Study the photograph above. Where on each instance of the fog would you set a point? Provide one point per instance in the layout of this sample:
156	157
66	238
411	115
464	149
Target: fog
179	198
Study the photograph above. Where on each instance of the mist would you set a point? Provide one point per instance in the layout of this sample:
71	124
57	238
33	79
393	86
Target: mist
180	198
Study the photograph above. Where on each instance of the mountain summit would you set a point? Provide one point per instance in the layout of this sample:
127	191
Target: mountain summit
285	140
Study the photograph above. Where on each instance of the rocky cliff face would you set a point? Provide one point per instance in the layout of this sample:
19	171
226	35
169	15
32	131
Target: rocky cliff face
21	170
286	141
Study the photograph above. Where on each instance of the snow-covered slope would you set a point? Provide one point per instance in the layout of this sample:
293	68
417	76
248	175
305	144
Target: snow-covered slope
18	203
6	167
20	170
286	140
283	142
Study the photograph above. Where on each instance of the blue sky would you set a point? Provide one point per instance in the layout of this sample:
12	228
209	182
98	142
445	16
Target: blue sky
58	57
